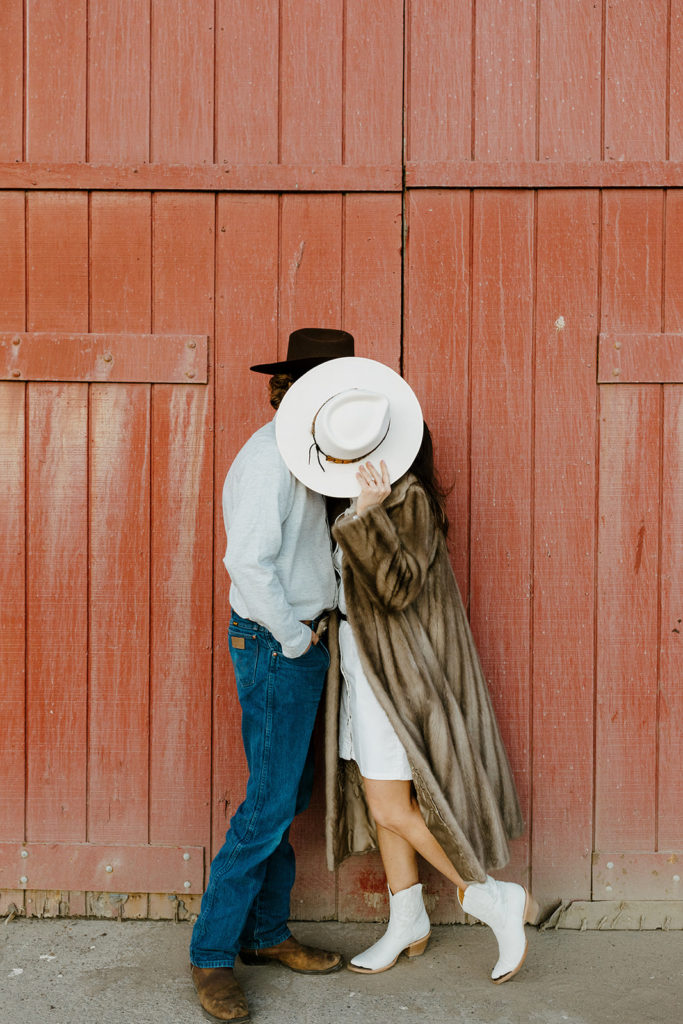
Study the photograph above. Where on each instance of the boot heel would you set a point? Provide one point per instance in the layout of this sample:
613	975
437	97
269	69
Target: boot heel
532	911
418	948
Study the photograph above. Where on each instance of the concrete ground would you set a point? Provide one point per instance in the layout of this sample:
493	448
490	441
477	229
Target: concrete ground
136	972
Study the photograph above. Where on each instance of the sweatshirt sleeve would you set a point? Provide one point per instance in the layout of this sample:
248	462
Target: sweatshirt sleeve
389	556
254	527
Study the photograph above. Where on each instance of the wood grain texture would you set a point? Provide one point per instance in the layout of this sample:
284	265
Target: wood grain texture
436	346
118	79
182	554
182	95
118	704
640	358
635	80
439	80
372	276
505	81
565	430
247	82
670	760
501	371
57	260
675	126
632	261
246	333
570	64
311	87
11	80
56	47
373	82
310	281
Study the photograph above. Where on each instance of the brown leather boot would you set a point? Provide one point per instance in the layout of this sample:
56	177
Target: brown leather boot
219	993
302	959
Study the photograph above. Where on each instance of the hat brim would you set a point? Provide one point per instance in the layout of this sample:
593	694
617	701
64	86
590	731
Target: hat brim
293	367
297	411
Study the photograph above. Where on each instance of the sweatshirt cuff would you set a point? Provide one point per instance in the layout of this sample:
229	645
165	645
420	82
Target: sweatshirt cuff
295	650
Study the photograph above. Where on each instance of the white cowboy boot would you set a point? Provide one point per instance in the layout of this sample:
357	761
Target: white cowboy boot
408	930
505	907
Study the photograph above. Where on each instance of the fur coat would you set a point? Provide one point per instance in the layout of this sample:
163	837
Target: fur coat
419	657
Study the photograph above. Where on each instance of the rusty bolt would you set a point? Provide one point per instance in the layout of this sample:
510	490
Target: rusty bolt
187	884
107	357
617	344
186	856
16	341
190	374
16	373
109	868
24	853
616	371
192	344
23	879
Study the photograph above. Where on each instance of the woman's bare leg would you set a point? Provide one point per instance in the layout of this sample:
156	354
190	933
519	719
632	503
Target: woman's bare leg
399	860
396	811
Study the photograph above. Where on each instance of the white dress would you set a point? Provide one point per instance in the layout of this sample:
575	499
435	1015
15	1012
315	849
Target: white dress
366	735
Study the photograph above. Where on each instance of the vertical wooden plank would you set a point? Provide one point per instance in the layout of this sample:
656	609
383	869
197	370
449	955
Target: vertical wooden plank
182	103
570	68
372	275
439	80
505	80
632	256
670	770
311	82
626	712
56	47
670	762
118	80
12	529
501	474
246	333
675	126
57	566
11	80
635	80
373	82
436	345
247	82
564	543
182	554
310	263
119	533
311	296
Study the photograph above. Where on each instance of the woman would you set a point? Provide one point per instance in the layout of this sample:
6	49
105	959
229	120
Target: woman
416	716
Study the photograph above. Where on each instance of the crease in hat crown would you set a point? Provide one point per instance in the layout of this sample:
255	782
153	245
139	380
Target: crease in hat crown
350	425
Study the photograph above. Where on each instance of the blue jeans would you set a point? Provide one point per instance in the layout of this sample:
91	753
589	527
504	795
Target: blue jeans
246	903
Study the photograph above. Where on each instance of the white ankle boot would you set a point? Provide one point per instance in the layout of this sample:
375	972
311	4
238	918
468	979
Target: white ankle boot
408	930
505	907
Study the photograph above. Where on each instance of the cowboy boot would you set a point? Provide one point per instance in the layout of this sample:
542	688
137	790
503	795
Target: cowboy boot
219	993
505	907
408	930
291	953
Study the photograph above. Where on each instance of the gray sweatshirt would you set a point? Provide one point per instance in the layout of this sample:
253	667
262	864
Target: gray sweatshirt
279	554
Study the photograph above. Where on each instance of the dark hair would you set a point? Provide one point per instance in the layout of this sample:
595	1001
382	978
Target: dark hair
279	385
424	469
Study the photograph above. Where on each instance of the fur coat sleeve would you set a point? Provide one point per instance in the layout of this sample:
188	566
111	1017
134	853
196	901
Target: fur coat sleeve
417	652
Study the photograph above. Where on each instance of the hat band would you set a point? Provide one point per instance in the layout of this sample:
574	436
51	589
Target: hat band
331	458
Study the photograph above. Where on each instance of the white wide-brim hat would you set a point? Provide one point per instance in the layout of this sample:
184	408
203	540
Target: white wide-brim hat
343	413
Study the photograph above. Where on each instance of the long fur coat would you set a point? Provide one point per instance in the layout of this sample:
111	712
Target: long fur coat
417	651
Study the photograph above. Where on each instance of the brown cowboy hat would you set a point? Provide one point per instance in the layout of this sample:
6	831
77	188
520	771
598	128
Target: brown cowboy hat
308	347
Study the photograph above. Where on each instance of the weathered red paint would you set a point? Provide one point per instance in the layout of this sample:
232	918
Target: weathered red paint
202	169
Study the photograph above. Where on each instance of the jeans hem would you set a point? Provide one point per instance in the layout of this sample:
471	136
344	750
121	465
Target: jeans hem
274	940
214	963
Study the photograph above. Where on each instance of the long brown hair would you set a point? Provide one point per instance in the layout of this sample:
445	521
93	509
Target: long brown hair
424	469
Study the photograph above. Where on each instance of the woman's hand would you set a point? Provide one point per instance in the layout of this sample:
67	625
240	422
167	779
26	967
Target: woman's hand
374	485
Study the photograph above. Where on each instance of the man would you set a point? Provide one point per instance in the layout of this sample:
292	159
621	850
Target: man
280	563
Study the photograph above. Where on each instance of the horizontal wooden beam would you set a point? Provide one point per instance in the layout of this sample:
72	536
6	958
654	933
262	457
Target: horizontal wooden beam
170	869
640	358
545	174
638	876
107	358
202	177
